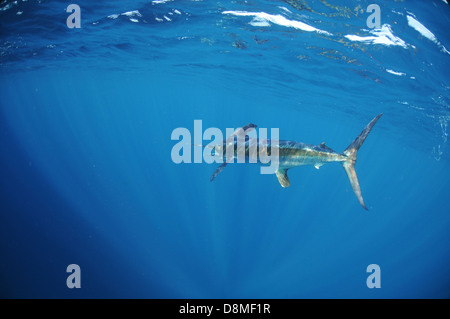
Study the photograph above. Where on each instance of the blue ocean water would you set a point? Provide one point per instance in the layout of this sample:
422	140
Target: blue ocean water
87	178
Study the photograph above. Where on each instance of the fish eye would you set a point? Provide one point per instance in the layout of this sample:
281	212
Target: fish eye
216	150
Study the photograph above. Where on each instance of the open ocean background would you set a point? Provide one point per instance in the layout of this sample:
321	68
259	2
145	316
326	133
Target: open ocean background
86	176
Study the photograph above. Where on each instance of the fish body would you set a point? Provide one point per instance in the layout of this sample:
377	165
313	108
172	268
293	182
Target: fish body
242	148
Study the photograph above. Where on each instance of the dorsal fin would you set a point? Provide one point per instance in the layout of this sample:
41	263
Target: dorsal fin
322	145
244	130
282	177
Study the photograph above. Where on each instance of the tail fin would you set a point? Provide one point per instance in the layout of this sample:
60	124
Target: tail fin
349	164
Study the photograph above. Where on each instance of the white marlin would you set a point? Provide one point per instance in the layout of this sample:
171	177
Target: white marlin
292	154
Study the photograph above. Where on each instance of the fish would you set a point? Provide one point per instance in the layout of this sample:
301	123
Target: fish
291	154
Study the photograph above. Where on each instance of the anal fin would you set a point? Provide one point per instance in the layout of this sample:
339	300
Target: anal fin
283	178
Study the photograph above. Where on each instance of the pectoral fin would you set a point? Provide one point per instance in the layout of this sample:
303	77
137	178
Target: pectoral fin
283	178
218	170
